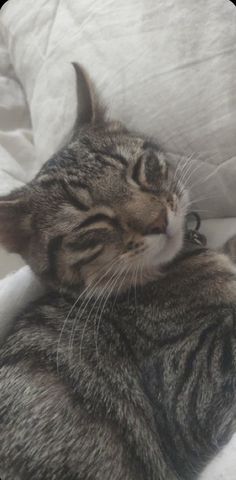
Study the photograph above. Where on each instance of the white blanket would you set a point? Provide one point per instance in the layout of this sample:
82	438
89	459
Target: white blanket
165	67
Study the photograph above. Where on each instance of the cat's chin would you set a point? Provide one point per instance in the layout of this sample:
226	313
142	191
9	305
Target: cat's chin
152	270
164	249
161	251
174	244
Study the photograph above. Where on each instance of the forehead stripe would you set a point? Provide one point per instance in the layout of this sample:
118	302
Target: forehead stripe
87	259
54	246
98	217
90	239
113	155
73	198
136	170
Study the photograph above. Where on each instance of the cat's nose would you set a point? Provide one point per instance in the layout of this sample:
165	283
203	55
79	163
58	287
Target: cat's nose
159	225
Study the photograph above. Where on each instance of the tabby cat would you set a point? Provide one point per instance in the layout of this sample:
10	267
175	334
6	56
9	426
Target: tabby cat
125	369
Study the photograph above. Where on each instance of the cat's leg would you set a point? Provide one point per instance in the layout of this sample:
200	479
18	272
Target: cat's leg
16	291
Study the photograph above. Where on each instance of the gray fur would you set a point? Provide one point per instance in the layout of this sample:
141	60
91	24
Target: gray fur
135	381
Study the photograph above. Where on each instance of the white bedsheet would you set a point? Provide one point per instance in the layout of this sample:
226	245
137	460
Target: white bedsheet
165	67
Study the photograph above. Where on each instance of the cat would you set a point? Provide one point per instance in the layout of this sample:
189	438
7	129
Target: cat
125	368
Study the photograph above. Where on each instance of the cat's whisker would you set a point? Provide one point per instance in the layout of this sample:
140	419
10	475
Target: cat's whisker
110	291
172	183
186	163
141	273
105	297
117	293
111	282
122	283
183	164
202	211
190	175
94	304
104	267
185	171
179	169
187	177
140	268
100	297
85	302
64	325
203	179
193	172
127	271
212	174
71	310
201	199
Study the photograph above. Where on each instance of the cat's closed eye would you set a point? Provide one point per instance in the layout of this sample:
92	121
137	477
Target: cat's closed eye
150	170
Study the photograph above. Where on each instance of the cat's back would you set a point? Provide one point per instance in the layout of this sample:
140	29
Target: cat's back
85	394
68	396
36	405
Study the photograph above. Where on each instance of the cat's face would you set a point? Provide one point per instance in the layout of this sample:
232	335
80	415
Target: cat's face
102	212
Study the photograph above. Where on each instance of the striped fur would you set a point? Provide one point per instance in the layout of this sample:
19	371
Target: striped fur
145	392
125	370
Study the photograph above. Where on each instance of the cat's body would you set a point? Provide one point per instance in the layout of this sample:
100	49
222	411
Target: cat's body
153	382
127	370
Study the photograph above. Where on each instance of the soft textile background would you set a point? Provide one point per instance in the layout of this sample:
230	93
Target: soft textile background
166	67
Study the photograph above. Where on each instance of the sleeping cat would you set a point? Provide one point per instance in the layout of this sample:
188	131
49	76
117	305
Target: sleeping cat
125	369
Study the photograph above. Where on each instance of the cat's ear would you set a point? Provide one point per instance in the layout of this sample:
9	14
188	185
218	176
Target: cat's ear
89	108
15	222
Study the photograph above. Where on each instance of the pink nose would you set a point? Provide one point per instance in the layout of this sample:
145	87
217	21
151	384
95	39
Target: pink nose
159	225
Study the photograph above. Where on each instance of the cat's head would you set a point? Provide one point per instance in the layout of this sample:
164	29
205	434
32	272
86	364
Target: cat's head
102	211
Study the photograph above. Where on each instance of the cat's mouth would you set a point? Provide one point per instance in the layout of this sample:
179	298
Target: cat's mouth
163	249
